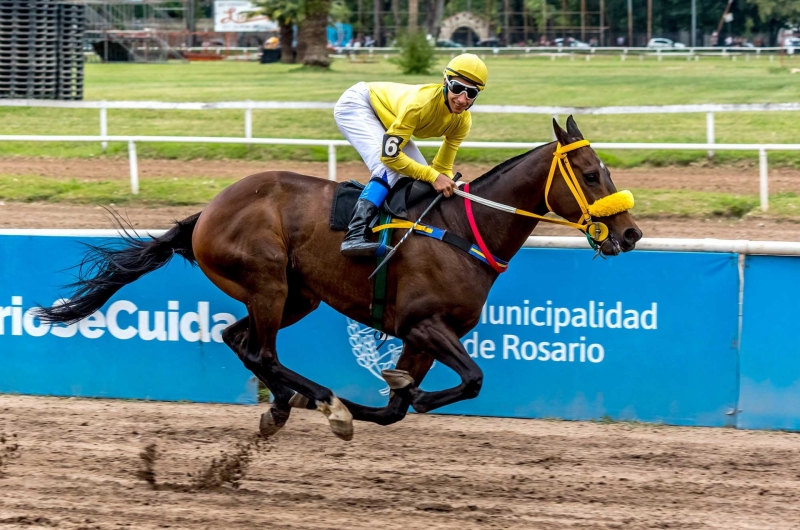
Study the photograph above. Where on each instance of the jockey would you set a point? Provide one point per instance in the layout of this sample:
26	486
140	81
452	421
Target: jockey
378	119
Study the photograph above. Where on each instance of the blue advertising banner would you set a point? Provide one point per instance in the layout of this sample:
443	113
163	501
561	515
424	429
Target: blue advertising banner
647	336
770	353
158	338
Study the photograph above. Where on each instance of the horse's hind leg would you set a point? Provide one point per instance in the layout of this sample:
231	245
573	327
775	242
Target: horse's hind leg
237	336
269	290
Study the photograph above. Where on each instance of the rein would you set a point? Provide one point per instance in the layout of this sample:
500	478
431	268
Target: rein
596	232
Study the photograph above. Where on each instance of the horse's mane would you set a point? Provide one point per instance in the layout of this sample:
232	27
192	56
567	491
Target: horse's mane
504	166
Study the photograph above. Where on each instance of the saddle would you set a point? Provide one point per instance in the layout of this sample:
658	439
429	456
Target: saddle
404	194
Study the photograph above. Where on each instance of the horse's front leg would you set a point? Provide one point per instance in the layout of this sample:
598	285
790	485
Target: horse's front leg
411	369
441	342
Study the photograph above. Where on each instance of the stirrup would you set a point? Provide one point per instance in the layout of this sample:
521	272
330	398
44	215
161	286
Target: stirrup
361	248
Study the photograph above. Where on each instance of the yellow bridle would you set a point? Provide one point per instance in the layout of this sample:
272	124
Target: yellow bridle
615	203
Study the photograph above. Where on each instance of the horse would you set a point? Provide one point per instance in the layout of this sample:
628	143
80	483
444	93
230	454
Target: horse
265	241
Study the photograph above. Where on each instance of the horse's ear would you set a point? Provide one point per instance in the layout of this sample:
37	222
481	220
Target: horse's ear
572	129
561	134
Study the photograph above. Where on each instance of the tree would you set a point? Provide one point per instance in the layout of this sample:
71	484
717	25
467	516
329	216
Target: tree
312	39
417	55
287	14
787	11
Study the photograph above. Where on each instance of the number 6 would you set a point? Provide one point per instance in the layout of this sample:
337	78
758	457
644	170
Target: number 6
391	145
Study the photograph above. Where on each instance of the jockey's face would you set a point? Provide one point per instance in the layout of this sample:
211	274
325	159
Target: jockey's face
459	103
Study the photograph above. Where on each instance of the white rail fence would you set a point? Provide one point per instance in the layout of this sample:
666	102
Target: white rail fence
659	244
249	106
761	149
690	53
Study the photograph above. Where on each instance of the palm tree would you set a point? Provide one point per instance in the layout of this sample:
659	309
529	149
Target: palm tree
287	14
312	38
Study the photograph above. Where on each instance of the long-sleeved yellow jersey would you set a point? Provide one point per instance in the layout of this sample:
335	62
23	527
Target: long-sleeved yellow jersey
419	110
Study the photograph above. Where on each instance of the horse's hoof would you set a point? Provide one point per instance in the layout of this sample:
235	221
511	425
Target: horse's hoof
272	421
299	401
342	429
397	379
339	417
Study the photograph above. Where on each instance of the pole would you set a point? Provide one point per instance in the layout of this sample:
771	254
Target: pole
710	131
544	19
506	29
649	20
525	23
722	19
104	125
630	22
763	182
134	164
602	22
332	162
248	122
583	20
694	24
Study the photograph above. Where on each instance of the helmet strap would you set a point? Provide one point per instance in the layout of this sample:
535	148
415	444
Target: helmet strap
446	100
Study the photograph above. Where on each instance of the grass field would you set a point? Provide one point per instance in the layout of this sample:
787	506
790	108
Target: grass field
527	81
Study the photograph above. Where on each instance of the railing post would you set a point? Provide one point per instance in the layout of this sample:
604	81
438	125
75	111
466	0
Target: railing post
332	162
248	122
710	132
763	179
103	124
134	167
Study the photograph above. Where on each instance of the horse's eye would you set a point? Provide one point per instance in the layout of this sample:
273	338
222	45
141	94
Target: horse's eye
590	177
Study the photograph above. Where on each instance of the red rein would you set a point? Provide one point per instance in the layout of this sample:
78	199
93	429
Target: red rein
488	255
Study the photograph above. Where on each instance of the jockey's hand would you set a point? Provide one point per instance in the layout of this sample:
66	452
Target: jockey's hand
444	184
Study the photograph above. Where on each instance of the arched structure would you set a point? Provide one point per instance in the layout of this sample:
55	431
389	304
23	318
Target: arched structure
462	20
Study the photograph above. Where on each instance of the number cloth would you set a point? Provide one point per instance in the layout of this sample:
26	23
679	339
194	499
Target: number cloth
378	119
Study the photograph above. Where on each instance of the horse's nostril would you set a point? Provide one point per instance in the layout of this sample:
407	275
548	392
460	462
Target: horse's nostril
632	235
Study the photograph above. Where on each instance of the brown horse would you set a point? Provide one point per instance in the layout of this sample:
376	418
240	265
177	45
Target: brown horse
265	241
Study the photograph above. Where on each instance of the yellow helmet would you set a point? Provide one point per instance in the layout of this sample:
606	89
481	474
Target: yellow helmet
470	67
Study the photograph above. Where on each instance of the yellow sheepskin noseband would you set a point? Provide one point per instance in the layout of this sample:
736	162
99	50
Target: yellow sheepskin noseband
621	201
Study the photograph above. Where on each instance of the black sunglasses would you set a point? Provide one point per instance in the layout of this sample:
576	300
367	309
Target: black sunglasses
457	88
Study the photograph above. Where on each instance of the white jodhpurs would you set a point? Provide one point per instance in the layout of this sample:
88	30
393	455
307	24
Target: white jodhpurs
361	127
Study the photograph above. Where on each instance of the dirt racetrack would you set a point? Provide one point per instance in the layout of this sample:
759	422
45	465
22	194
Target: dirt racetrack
78	462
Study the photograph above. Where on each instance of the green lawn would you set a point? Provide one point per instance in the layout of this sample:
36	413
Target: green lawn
526	81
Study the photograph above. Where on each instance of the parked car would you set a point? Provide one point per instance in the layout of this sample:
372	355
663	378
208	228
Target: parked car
664	43
570	42
447	43
489	43
792	44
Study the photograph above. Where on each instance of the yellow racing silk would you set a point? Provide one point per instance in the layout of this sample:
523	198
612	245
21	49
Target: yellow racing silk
421	111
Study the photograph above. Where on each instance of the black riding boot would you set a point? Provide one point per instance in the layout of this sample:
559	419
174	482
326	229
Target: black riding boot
357	242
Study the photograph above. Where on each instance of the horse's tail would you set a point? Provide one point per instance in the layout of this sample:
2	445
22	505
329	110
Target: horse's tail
105	269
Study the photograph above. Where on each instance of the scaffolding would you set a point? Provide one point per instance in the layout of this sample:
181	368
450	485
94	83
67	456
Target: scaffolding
134	31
